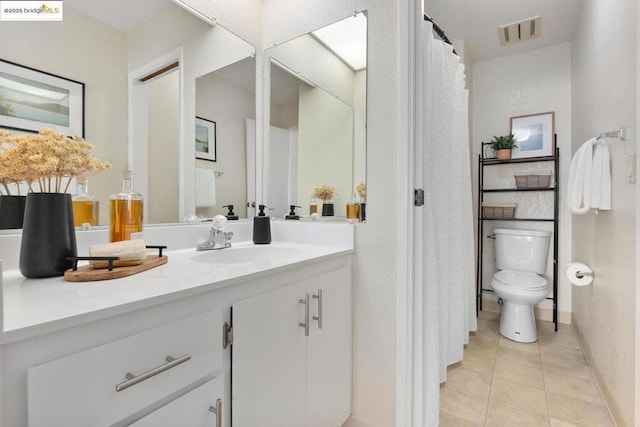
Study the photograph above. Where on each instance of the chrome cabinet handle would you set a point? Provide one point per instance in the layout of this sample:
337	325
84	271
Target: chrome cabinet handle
217	410
305	325
133	380
318	318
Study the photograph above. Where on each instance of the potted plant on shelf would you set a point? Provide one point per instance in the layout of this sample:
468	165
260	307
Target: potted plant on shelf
502	146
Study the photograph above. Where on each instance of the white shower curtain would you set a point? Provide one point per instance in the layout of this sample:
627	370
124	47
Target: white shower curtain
446	307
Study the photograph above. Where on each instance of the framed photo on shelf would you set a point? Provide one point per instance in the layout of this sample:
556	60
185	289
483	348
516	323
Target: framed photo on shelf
31	100
205	139
534	135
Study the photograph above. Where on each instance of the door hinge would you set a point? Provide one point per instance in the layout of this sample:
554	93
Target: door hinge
227	335
418	197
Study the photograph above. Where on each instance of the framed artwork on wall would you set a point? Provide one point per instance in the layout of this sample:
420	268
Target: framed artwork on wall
31	100
205	139
534	135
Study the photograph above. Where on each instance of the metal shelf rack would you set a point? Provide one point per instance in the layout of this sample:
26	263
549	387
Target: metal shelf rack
484	162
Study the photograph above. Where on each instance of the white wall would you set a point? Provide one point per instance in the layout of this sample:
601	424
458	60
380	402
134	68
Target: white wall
604	90
228	105
359	128
68	49
325	147
375	275
533	82
637	325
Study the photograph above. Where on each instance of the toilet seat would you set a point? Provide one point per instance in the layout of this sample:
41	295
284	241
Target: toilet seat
520	279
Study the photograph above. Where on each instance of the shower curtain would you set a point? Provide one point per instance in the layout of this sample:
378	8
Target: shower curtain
446	299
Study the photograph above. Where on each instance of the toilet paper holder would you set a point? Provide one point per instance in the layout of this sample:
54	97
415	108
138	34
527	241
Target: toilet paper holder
581	274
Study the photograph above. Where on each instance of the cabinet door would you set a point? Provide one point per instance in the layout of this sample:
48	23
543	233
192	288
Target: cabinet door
329	350
193	409
269	360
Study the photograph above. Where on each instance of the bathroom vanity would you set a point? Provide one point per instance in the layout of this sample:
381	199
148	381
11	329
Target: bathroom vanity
245	336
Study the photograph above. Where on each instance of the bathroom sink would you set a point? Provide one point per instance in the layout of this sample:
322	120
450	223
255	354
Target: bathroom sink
246	255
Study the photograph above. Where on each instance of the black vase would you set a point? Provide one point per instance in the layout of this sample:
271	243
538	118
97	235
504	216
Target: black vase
363	211
11	211
327	209
48	235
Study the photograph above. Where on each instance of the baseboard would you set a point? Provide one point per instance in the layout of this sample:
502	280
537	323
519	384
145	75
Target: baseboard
540	313
354	421
604	390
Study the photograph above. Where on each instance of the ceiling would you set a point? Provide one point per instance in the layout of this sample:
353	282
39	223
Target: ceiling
477	21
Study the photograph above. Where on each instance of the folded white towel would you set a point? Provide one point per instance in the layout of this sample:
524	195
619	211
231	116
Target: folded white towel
601	177
589	178
205	188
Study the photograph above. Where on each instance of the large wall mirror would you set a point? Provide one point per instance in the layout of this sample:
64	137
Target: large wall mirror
114	47
215	98
316	132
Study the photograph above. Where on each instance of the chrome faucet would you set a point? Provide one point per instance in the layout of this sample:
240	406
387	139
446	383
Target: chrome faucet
218	239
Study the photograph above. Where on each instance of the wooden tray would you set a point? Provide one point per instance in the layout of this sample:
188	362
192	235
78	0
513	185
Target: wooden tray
88	274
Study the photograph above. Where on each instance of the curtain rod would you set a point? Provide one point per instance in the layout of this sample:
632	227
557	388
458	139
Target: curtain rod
439	31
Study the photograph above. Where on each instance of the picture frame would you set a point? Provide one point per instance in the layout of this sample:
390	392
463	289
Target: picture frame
534	134
205	139
31	100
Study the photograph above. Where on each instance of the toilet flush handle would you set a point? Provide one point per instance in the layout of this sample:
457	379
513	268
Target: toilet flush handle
491	236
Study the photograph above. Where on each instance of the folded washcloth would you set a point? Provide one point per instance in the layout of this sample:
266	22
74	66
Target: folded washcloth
129	252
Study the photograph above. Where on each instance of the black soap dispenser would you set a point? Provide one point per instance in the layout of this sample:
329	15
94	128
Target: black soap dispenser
261	227
292	212
230	215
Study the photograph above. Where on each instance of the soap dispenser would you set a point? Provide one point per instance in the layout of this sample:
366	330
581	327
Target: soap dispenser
292	212
230	215
261	227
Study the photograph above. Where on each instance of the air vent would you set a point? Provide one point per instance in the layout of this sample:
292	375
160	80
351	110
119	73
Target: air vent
520	31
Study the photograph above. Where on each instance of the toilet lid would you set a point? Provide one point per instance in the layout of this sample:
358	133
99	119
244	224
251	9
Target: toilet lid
520	279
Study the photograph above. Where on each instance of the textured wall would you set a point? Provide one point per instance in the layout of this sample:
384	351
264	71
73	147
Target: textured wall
374	295
604	90
533	82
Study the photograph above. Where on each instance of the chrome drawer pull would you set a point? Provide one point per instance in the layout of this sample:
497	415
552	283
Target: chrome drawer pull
305	325
218	411
318	318
133	380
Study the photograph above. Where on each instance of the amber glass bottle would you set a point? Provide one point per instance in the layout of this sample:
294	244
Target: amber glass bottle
353	208
85	206
125	211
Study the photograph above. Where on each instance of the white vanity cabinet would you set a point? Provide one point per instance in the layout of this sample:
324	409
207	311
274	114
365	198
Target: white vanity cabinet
292	354
121	380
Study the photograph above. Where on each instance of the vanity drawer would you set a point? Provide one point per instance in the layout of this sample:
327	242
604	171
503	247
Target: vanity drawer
201	407
81	389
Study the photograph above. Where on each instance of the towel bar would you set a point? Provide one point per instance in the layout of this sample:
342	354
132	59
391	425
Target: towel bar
620	133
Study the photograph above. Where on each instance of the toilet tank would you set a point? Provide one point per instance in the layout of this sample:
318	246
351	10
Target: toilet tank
522	250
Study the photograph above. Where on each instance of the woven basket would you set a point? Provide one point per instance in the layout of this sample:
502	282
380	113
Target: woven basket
532	179
492	210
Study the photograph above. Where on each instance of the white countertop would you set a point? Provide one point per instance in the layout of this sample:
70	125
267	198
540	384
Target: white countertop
34	306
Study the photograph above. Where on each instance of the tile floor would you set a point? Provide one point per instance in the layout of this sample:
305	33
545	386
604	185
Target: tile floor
504	383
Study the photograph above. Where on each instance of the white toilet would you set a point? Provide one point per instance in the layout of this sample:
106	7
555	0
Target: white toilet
521	255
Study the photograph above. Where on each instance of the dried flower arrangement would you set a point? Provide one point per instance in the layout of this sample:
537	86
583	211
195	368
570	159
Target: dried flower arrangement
324	193
45	160
362	191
